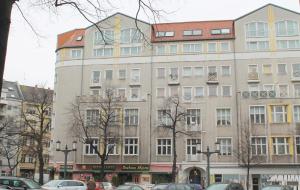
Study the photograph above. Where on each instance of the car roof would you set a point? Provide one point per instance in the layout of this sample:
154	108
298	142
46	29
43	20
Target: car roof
13	177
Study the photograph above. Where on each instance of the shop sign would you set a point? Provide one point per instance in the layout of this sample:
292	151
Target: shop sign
69	167
283	178
135	167
106	167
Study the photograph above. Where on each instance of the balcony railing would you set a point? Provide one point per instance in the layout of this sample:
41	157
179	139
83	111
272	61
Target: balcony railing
95	83
192	157
296	76
212	77
173	79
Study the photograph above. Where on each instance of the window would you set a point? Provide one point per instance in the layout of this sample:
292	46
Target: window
92	117
199	91
283	90
279	113
134	93
287	28
199	71
108	36
267	68
226	71
297	113
122	92
191	146
108	74
298	145
76	53
187	93
257	114
90	150
112	148
174	73
224	46
135	76
131	117
160	92
297	90
96	75
165	34
225	146
212	90
256	29
223	117
160	50
281	69
163	117
220	31
160	73
252	69
280	145
103	52
164	147
192	48
122	74
268	87
258	145
192	32
211	47
257	45
296	70
174	91
131	51
193	117
288	44
173	49
187	71
130	35
226	90
131	146
95	92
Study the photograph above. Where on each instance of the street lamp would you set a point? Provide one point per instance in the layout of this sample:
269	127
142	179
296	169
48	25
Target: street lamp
208	153
66	151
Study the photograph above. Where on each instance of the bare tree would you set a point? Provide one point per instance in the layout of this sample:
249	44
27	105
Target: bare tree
245	155
91	10
171	117
36	122
101	119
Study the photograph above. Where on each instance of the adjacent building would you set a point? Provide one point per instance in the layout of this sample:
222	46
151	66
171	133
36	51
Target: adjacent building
228	74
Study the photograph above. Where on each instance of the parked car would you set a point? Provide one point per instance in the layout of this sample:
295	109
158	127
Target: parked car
195	186
64	185
277	187
107	186
18	183
173	186
225	186
129	187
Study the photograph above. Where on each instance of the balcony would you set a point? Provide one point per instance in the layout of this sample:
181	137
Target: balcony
193	157
253	77
212	78
135	82
173	79
95	84
296	76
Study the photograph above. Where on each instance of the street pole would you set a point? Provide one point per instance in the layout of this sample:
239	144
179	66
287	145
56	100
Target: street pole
66	159
66	151
208	166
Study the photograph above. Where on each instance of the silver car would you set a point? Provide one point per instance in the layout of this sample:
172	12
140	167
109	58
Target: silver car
64	185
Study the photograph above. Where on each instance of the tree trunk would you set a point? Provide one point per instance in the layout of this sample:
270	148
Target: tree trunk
248	177
174	156
5	15
102	172
41	164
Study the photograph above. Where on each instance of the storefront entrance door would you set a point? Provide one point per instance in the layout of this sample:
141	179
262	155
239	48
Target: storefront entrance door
195	176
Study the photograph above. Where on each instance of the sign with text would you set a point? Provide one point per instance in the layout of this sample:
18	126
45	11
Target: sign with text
128	167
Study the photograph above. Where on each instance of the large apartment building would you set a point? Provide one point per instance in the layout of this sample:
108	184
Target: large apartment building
228	74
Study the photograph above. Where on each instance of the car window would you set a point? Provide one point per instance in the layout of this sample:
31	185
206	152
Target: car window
234	186
64	184
32	184
217	186
4	181
75	183
17	183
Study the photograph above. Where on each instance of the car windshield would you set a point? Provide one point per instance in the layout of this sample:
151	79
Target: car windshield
53	183
32	184
158	187
221	186
121	187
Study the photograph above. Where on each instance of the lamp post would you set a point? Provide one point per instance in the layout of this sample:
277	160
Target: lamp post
208	153
66	151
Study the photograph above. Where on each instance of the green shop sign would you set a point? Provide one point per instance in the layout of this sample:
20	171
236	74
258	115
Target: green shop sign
135	168
69	167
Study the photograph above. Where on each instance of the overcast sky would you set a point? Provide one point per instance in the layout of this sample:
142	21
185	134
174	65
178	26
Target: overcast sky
30	59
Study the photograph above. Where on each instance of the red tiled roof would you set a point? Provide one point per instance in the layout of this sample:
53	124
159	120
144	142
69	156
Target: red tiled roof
205	26
69	39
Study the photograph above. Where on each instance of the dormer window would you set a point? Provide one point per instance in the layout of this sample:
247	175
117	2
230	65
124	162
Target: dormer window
220	31
165	34
79	38
192	32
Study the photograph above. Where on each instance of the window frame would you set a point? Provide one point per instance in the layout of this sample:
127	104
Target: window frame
183	92
258	115
130	123
260	145
166	146
157	73
286	145
230	90
223	116
228	151
90	148
134	145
